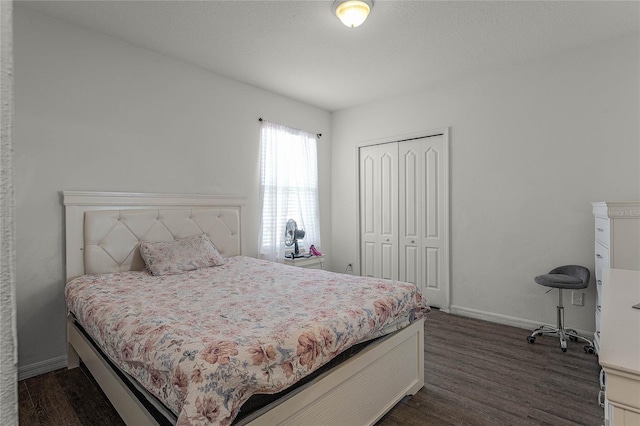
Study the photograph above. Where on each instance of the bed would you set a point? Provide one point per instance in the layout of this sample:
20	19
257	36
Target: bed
103	234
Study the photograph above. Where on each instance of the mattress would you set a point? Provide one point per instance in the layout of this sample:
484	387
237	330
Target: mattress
203	342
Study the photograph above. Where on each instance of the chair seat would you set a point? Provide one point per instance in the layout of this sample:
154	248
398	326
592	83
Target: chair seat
561	281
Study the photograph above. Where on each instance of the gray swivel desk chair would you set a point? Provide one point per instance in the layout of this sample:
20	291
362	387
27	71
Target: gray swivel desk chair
569	277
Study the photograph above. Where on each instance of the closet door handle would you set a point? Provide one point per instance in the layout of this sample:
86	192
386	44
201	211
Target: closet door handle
600	229
387	240
413	241
599	256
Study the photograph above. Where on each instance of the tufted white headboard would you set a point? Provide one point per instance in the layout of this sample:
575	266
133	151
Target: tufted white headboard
103	229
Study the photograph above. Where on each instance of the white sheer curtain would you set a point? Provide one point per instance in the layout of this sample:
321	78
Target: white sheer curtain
288	188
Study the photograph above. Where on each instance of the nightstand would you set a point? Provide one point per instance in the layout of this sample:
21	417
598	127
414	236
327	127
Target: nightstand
313	262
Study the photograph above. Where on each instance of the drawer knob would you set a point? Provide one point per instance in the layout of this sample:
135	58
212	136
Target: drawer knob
413	241
599	256
599	282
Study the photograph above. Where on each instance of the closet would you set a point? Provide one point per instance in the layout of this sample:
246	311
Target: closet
404	213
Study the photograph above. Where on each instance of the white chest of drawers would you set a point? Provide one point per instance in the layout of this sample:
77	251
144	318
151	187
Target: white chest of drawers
617	244
620	349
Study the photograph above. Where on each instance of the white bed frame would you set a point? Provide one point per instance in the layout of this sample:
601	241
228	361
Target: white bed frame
357	392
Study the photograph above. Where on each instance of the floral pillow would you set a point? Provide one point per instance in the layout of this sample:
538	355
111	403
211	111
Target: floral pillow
177	256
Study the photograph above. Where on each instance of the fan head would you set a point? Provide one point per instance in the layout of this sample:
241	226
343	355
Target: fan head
292	234
289	232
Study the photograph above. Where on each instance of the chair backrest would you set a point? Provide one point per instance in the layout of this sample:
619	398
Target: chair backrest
573	271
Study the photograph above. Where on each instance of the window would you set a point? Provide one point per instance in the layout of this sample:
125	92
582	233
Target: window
288	188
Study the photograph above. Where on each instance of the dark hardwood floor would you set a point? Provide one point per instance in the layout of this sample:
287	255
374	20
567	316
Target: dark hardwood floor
476	373
480	373
64	397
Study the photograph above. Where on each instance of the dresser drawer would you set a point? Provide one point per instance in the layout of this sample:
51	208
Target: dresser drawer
602	259
602	230
623	390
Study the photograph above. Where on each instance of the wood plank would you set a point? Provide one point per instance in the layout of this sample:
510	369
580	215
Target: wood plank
51	404
27	414
88	402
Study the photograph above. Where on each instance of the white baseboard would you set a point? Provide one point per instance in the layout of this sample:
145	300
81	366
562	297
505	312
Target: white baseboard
42	367
505	319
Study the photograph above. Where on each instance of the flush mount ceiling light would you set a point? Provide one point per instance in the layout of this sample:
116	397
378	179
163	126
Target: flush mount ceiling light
352	13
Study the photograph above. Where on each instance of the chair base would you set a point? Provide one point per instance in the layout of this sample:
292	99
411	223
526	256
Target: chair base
563	335
560	331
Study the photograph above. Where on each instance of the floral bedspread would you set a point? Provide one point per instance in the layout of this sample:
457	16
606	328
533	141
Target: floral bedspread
204	341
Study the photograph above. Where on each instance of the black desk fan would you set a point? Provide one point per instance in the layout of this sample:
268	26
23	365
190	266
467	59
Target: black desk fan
291	236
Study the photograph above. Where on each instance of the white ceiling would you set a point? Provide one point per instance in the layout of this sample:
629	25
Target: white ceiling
301	50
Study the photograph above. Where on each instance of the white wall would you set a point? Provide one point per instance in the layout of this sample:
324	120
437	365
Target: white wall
531	147
94	113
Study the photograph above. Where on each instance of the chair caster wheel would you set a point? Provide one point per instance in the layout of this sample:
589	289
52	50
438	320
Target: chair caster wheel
531	339
564	349
589	349
563	345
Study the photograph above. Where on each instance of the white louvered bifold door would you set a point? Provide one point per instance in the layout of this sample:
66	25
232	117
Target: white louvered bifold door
379	211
